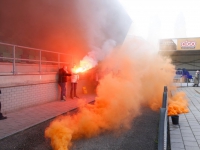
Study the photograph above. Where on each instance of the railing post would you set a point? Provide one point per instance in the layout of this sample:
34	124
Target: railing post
58	60
162	134
163	122
164	102
181	80
72	60
13	59
165	88
40	61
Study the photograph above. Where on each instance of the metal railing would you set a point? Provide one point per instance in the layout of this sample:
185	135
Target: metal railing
163	123
183	82
39	56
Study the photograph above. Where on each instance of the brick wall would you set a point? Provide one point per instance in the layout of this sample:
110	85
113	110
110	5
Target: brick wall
18	97
21	91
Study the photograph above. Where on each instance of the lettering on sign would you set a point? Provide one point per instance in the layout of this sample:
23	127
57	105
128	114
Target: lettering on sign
188	45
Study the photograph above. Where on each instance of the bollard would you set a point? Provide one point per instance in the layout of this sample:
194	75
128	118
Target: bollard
162	131
175	119
164	102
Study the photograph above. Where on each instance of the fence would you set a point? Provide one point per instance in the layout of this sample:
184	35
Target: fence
15	59
163	123
183	82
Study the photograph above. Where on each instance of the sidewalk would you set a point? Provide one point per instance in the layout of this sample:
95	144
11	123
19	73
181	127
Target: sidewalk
186	135
28	117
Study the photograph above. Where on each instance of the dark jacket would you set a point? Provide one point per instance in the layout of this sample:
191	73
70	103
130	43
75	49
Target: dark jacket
62	75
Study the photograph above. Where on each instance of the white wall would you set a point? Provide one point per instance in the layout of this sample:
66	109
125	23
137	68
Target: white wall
21	91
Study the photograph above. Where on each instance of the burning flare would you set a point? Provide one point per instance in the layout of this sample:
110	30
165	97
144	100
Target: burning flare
85	64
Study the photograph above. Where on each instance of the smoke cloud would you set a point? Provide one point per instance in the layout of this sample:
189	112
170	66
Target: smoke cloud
73	27
133	77
97	55
178	104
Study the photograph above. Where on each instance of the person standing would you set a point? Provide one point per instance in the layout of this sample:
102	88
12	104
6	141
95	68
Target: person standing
74	81
196	79
62	81
1	115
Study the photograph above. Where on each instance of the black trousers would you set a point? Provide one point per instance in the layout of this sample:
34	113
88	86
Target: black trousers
63	90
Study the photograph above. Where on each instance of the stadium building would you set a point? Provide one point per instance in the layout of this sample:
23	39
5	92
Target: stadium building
184	52
37	38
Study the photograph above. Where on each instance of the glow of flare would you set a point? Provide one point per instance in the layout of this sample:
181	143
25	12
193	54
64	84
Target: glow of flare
78	70
85	64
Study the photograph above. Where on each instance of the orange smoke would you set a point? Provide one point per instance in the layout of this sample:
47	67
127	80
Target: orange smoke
133	77
178	104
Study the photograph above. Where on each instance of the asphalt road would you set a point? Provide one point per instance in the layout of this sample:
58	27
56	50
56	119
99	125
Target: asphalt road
142	136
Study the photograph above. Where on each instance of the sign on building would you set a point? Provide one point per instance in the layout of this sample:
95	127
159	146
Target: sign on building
188	44
180	44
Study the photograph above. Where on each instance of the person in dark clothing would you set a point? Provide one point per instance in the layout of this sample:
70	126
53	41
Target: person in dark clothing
1	115
62	80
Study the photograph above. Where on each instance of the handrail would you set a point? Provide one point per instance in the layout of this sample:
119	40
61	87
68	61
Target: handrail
39	60
162	133
32	48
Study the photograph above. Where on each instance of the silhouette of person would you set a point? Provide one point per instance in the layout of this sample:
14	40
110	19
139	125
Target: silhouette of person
62	81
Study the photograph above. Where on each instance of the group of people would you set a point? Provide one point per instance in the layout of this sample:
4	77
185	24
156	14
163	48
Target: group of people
62	81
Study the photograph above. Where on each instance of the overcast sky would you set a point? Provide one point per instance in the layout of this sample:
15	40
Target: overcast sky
164	18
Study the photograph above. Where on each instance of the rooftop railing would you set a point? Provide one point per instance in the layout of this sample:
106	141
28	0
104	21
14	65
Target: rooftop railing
15	59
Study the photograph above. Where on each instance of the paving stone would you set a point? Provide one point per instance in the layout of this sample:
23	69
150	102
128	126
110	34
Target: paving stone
189	124
191	148
177	145
191	143
189	138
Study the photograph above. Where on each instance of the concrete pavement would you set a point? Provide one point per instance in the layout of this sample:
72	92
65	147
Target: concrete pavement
186	135
25	118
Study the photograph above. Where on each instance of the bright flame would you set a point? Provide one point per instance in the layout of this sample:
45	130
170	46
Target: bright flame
78	70
85	64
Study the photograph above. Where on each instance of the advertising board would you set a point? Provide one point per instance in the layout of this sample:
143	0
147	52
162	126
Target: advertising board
180	44
188	44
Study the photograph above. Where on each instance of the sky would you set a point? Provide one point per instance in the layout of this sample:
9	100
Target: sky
160	19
